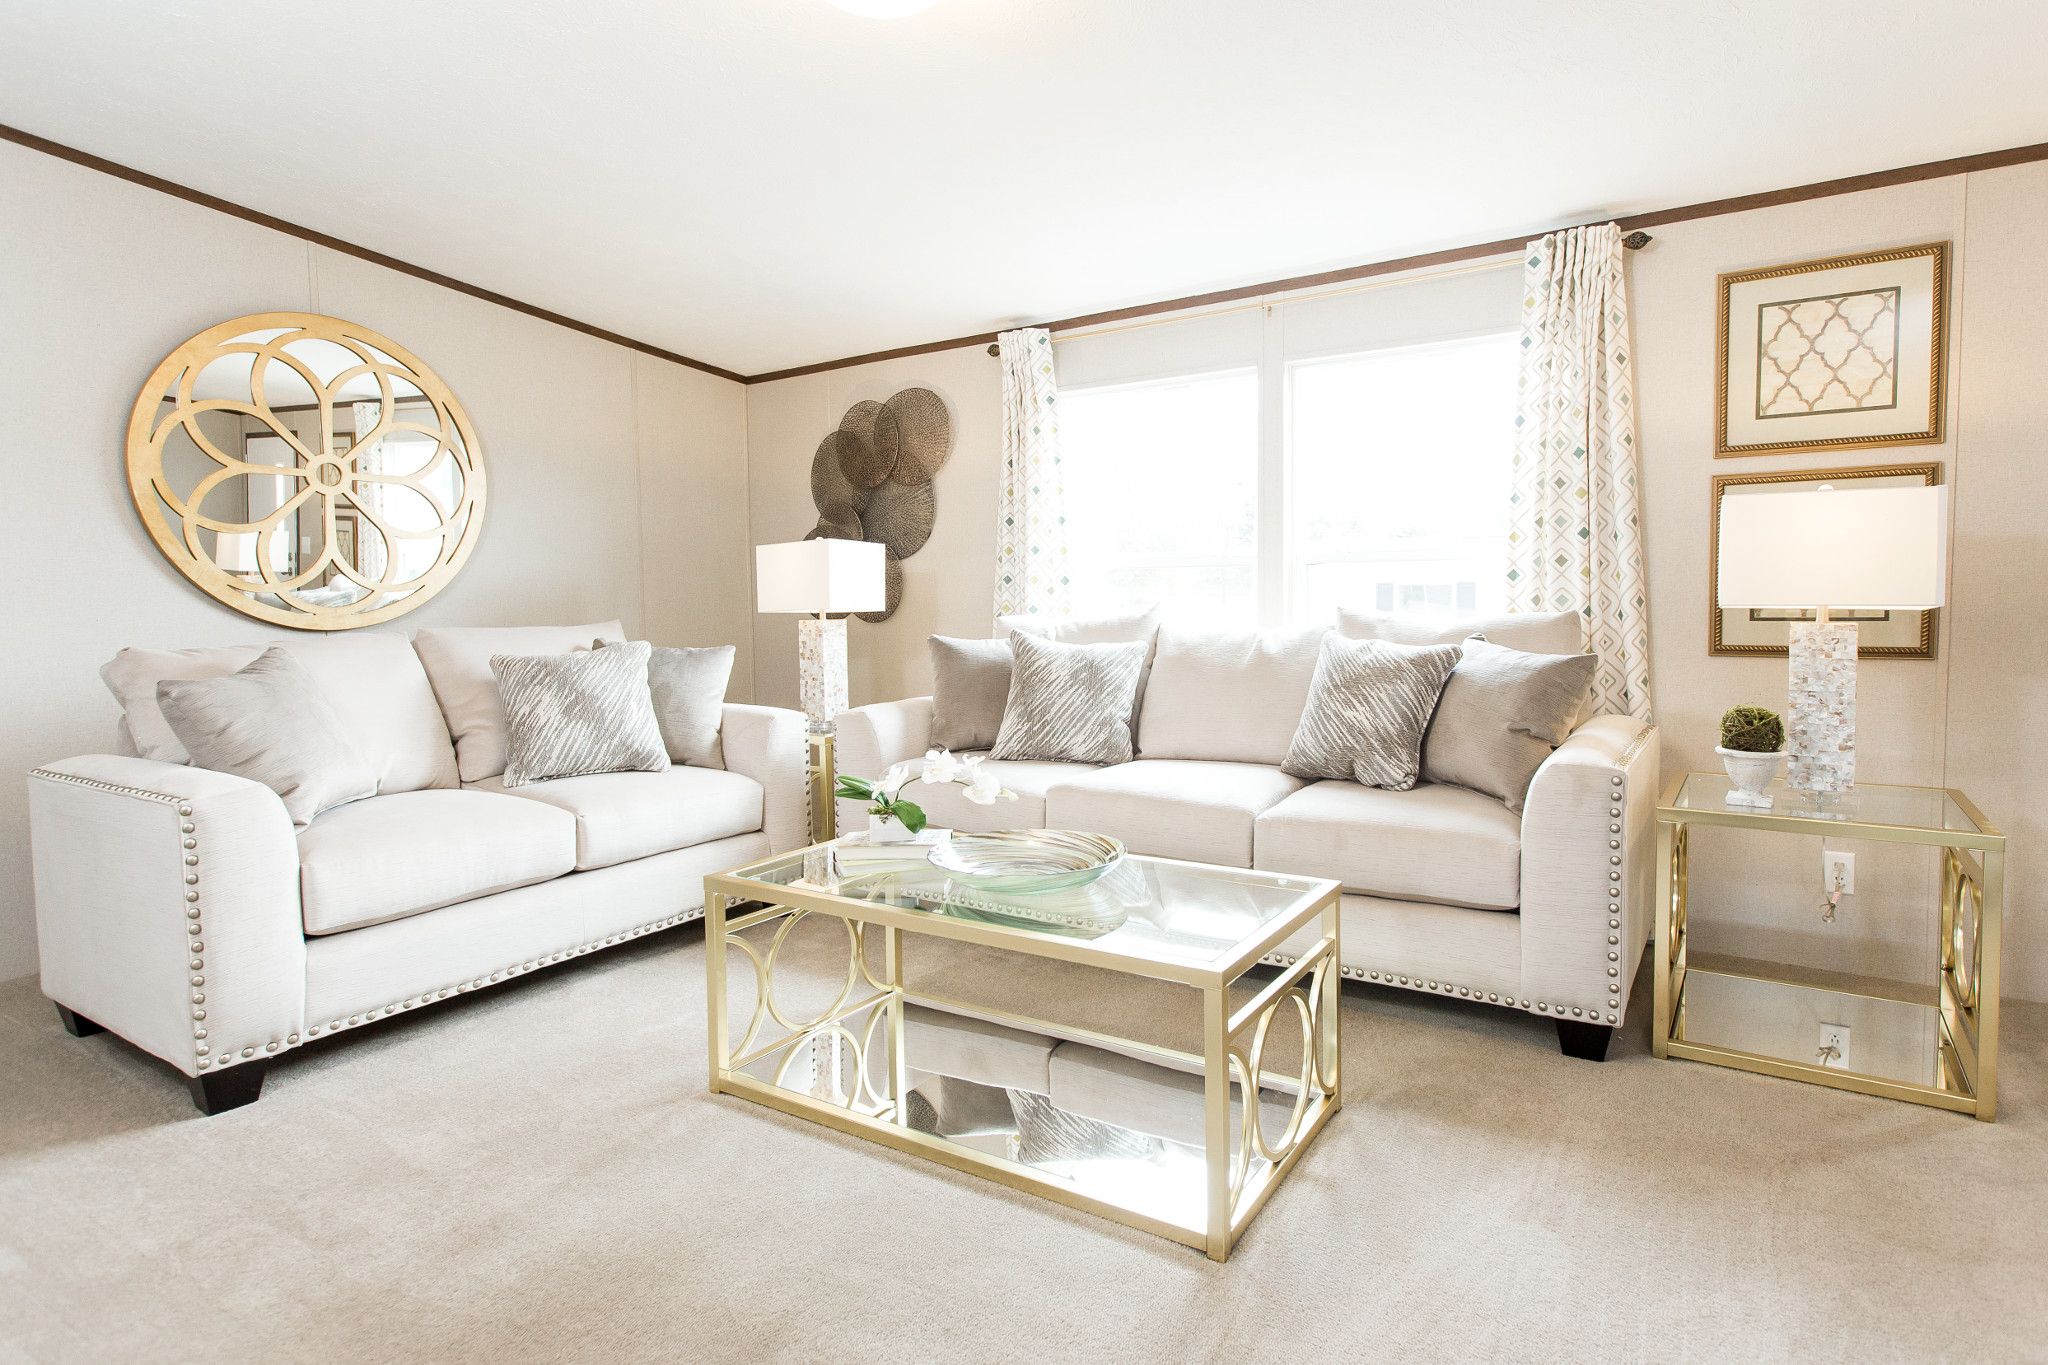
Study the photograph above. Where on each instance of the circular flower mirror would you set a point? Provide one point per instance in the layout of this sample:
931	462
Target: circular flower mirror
306	471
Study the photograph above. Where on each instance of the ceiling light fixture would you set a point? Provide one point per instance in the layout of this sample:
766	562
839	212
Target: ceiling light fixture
884	9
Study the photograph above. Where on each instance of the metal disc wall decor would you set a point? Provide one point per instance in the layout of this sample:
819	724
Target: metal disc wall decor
871	479
895	598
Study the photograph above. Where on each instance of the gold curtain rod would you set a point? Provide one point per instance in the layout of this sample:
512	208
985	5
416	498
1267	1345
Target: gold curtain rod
1635	241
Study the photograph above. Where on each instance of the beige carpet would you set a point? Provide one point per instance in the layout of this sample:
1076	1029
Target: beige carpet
536	1173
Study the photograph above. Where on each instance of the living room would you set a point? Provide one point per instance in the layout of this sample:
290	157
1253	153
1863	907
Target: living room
1474	567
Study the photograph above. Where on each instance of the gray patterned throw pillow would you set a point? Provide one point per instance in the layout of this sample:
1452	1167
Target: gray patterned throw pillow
571	714
688	686
1070	703
1367	710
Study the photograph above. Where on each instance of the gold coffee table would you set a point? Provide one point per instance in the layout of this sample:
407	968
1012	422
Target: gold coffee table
1160	1139
1930	1044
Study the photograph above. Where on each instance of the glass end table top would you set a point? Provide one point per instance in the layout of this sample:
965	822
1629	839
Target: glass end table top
1144	909
1866	803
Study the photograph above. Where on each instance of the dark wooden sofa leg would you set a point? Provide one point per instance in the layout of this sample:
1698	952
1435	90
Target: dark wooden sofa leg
216	1092
1587	1042
76	1024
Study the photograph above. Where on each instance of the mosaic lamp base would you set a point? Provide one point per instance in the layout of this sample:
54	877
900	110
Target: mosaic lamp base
1821	730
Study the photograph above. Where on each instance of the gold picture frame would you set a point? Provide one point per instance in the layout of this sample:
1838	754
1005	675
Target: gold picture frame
1837	353
1742	631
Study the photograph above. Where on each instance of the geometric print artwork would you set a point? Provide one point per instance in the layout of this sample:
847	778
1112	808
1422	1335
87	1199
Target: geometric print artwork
1031	523
871	479
1575	537
1831	353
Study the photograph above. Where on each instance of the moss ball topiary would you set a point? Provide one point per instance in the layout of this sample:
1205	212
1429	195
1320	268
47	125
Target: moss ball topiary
1752	730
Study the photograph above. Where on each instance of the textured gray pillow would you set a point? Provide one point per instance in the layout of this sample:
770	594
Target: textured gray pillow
970	684
688	688
1070	703
571	714
1368	707
269	723
1502	713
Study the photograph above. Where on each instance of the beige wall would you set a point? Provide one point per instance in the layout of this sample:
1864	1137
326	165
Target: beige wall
617	480
1971	717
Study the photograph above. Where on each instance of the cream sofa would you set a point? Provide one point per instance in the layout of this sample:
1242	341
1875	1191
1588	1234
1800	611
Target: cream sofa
180	909
1447	891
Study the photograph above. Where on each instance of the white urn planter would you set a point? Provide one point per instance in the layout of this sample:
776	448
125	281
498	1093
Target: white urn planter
887	829
1751	773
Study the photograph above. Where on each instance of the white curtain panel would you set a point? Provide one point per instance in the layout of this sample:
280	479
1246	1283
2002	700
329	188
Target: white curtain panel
1575	534
1031	530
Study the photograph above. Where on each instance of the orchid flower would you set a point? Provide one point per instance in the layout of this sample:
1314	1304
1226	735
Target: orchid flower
941	767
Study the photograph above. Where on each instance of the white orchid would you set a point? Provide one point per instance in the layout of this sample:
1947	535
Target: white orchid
938	767
941	767
899	776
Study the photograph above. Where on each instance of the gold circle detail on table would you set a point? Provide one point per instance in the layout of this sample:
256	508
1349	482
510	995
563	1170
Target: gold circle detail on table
894	599
250	467
924	434
900	516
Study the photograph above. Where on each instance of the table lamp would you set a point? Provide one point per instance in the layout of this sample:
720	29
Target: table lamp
821	578
235	551
1830	550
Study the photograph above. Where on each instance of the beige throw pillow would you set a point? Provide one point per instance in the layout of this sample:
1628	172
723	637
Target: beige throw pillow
1502	713
268	722
458	664
970	685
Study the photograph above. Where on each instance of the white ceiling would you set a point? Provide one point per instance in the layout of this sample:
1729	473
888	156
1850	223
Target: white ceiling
766	183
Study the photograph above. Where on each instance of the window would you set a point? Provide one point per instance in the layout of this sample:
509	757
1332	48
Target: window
1162	496
1399	476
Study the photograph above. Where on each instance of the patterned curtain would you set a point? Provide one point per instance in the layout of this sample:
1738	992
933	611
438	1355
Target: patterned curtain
1031	523
1575	539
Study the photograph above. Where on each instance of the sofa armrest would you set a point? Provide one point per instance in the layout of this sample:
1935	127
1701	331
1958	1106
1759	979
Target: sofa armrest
870	738
768	744
1588	849
167	907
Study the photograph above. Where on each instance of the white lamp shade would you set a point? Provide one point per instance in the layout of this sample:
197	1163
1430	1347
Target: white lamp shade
811	576
235	551
1875	549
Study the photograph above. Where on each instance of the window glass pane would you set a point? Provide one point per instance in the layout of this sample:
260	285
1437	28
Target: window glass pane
1162	493
1399	479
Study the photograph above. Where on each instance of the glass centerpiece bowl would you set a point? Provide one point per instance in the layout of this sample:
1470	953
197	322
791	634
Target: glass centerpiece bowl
1024	861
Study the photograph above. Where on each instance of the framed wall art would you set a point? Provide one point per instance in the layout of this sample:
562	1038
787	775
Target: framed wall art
1760	631
1834	354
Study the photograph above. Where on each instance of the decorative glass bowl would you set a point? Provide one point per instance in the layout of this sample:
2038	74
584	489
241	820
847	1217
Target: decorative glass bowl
1024	861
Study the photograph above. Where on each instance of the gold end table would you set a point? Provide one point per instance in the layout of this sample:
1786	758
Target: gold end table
1935	1045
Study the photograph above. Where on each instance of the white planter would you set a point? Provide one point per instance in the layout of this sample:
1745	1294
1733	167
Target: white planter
887	829
1751	774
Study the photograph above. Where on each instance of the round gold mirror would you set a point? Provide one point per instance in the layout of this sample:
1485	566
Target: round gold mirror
306	471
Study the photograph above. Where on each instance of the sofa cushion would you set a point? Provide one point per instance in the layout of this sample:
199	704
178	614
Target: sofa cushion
970	684
1173	808
410	852
1432	843
1233	698
947	806
458	664
623	816
372	679
1502	713
1536	632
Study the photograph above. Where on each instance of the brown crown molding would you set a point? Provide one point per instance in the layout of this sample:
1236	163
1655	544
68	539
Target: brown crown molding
291	229
1712	208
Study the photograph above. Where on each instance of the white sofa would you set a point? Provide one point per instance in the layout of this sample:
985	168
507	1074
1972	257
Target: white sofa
180	909
1447	891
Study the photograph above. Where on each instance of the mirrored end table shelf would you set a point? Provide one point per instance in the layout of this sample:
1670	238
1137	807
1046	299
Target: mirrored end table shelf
1934	1045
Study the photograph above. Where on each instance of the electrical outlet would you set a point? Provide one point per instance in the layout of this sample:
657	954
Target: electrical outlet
1834	1046
1838	871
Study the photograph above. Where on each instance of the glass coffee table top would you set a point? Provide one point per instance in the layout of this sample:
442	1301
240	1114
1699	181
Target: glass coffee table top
1146	910
1866	803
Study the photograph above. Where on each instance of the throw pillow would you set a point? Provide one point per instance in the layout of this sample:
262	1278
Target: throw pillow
458	664
1539	632
1502	713
1070	703
268	722
1368	706
688	686
1095	630
571	714
970	684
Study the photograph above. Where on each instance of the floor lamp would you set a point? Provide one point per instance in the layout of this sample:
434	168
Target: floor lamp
1830	550
822	580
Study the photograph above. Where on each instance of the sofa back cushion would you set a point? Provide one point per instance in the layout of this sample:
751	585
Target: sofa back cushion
457	660
1229	698
1533	632
372	679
